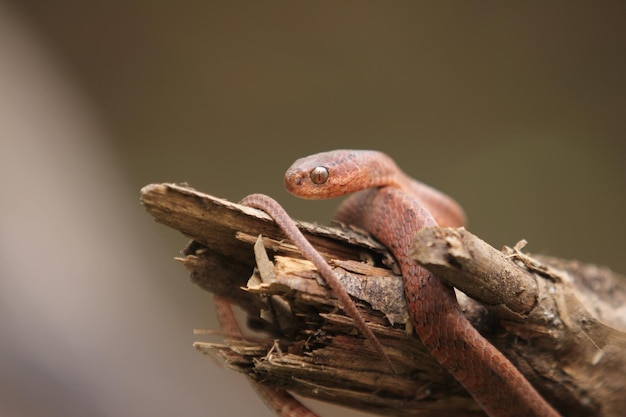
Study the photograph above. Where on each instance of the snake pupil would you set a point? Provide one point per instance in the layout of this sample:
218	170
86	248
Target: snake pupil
319	175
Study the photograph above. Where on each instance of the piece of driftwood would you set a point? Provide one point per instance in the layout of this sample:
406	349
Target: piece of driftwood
562	323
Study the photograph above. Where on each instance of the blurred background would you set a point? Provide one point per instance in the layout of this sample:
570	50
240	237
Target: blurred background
516	110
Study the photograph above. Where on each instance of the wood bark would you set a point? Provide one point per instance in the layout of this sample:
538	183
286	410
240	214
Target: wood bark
562	323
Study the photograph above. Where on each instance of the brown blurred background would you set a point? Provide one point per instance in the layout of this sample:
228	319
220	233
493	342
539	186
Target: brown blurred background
517	111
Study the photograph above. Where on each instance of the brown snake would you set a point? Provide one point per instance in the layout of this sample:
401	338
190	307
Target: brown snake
393	208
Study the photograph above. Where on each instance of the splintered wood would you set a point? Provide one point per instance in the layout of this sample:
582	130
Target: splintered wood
561	323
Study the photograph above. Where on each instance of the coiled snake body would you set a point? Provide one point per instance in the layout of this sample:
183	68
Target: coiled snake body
393	207
393	211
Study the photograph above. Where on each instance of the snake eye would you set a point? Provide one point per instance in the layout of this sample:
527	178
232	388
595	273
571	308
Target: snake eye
319	175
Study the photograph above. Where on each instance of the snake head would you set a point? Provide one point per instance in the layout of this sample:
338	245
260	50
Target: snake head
336	173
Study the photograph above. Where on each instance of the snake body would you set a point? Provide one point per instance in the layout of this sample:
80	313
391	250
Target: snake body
393	208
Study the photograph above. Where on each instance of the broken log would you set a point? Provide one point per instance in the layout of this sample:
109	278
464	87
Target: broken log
562	323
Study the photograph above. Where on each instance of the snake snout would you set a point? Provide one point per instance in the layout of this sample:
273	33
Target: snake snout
293	181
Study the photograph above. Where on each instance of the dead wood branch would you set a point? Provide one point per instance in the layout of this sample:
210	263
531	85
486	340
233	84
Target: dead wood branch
562	323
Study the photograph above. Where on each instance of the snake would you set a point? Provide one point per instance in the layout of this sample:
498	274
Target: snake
392	207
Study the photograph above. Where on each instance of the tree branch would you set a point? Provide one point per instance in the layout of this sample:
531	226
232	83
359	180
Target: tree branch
561	323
